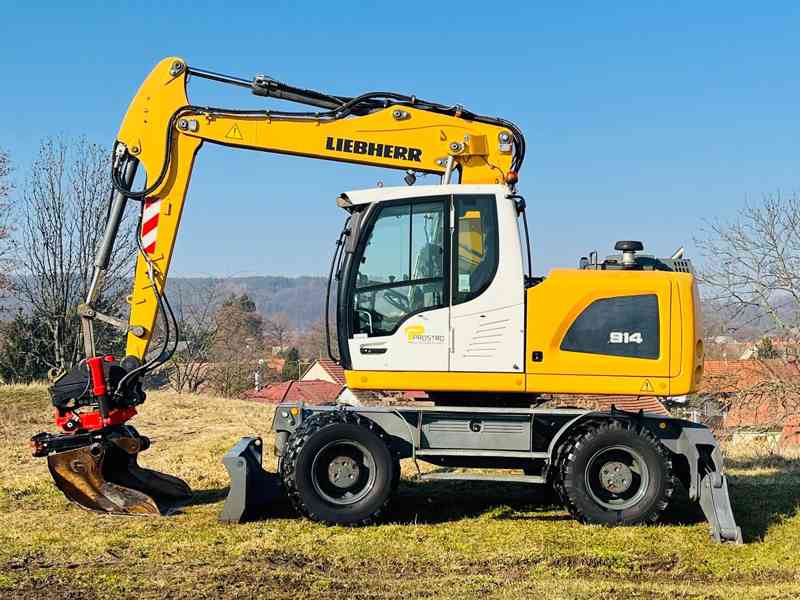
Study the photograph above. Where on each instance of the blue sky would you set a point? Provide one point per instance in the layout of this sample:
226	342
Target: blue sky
642	119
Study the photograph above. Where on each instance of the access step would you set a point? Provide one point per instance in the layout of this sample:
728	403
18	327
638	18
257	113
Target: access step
536	479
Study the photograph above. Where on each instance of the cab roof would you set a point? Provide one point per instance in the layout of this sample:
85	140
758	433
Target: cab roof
382	194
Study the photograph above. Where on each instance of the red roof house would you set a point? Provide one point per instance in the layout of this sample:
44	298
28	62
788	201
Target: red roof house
758	393
308	392
325	370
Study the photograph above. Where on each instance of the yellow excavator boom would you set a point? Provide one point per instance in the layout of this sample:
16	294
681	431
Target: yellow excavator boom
163	132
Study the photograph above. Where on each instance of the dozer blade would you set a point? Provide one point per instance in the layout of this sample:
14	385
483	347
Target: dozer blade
105	477
253	489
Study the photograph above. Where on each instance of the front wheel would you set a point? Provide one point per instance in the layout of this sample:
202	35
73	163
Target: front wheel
614	473
338	469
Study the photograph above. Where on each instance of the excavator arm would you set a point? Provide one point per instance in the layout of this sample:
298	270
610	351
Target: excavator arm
163	132
94	459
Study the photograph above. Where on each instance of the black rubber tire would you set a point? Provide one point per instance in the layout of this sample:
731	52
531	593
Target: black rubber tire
311	437
570	475
396	474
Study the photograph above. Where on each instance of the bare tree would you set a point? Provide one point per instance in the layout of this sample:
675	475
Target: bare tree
277	331
313	343
5	224
188	369
752	265
62	212
751	274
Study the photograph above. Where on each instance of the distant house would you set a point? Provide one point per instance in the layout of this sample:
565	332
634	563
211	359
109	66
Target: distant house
325	369
307	392
750	353
760	393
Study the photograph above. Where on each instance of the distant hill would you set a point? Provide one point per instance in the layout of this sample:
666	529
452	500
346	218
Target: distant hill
301	298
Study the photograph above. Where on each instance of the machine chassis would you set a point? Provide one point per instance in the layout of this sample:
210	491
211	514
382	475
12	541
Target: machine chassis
526	439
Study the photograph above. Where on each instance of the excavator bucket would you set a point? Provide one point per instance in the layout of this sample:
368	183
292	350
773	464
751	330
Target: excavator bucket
252	489
104	476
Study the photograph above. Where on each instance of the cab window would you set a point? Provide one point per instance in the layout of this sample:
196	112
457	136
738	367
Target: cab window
401	268
476	245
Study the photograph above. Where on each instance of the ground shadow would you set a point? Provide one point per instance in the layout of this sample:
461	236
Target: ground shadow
681	510
277	507
431	502
209	496
759	499
763	498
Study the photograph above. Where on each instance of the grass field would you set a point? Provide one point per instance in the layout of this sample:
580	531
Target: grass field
443	540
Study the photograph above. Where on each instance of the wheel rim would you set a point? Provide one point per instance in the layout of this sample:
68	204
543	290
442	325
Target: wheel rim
343	472
617	477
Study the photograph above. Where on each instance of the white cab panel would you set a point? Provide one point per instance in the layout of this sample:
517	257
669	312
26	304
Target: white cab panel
483	334
420	344
489	330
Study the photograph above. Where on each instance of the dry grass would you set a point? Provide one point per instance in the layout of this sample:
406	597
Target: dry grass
444	540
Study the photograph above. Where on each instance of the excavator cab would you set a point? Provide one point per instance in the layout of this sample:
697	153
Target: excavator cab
431	285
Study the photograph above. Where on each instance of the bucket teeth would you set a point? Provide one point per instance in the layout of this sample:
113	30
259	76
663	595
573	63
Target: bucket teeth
105	477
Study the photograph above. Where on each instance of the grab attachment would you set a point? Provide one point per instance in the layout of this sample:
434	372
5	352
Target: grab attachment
100	472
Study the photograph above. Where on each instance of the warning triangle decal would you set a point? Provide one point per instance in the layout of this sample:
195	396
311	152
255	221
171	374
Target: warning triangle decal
234	133
647	386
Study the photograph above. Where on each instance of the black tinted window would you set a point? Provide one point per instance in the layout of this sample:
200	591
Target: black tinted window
622	326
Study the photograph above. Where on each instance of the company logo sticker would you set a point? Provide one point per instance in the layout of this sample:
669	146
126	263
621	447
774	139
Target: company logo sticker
416	335
374	149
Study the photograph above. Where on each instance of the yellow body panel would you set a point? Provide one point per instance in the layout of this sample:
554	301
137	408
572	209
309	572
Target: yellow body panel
161	109
435	381
553	306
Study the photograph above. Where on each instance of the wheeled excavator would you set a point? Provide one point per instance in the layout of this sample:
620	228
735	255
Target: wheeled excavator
433	291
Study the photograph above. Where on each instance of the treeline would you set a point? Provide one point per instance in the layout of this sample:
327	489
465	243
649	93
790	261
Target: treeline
227	346
52	219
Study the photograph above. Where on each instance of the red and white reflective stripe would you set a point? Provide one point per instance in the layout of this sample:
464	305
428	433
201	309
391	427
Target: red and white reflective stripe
152	208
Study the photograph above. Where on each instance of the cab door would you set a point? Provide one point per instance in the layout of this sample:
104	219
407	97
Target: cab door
487	312
400	296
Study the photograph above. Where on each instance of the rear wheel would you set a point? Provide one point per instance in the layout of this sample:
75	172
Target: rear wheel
337	468
396	474
614	473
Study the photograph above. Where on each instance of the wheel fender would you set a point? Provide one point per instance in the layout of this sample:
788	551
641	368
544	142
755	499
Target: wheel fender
577	421
400	431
